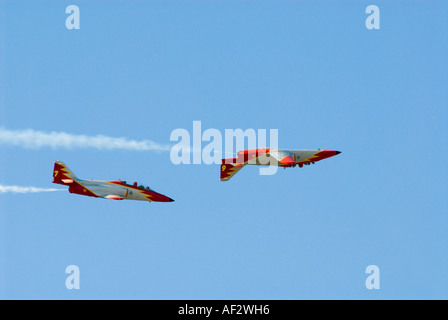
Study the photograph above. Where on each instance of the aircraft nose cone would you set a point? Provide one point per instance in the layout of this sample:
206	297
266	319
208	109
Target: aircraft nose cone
159	197
165	199
332	153
324	154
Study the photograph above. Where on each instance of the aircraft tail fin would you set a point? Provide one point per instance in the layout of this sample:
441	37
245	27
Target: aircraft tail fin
62	174
230	168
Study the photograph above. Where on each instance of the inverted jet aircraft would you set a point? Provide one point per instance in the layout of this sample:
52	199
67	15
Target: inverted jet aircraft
285	158
116	190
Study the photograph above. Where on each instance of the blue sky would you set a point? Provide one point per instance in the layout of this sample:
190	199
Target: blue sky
312	70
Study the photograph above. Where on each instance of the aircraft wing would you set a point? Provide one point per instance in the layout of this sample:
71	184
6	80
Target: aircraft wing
283	157
110	193
114	197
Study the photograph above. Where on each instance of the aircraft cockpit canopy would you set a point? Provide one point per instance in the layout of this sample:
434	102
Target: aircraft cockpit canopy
136	185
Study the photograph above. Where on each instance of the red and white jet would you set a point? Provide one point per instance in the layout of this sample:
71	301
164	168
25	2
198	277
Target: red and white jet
272	157
117	190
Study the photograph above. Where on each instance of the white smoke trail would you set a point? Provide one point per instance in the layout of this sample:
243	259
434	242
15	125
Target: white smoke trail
32	139
19	189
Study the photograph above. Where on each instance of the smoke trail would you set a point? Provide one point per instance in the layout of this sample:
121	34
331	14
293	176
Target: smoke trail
19	189
32	139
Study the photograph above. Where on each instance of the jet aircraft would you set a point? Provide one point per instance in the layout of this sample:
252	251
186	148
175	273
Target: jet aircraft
116	190
272	157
